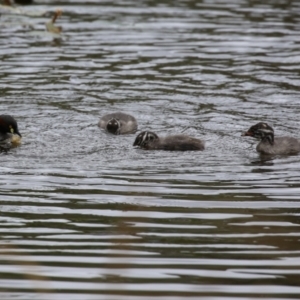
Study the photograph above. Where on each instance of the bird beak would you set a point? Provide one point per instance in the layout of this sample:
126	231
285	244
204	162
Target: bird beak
18	133
247	133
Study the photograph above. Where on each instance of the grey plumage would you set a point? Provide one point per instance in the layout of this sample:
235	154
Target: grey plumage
150	141
118	123
272	145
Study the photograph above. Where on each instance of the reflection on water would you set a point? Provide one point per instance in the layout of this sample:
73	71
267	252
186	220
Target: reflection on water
84	215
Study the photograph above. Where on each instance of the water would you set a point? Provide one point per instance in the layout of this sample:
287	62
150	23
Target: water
84	215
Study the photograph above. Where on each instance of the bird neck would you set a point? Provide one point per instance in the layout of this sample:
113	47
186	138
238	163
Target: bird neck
269	138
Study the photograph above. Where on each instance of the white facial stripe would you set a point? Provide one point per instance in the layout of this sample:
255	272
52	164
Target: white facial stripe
145	138
266	131
111	121
114	120
119	126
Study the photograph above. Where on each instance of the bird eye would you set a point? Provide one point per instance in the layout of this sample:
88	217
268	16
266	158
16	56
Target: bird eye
11	129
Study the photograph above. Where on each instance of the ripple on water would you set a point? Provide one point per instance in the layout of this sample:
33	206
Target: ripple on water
84	215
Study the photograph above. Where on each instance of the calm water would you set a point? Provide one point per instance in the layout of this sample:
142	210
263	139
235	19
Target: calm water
84	215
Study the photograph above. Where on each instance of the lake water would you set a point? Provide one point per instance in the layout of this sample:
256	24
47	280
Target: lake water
85	215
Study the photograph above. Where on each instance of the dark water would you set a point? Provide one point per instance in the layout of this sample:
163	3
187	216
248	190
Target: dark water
84	215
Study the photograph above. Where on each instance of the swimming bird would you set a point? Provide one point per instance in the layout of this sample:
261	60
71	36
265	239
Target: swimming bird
9	132
150	141
23	2
118	123
272	145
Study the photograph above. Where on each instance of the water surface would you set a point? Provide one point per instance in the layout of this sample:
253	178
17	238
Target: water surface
84	215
